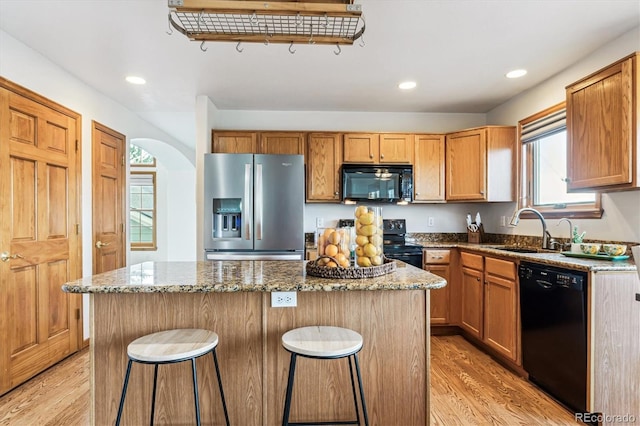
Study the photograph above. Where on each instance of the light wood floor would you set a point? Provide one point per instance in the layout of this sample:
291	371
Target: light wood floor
467	388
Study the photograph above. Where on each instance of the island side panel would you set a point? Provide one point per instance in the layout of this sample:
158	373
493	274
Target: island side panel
394	359
117	319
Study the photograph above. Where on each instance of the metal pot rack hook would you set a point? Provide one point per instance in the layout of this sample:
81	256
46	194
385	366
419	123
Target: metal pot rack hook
364	25
361	43
325	21
291	49
311	35
339	51
253	19
202	47
266	35
200	20
238	47
169	23
298	19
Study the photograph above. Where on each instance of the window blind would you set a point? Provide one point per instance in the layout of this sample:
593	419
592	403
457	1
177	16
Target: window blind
544	126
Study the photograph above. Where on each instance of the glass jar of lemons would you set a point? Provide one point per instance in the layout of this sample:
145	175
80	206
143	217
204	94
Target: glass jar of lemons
368	227
334	243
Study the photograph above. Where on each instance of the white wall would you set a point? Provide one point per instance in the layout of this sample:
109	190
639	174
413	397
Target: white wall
621	219
26	67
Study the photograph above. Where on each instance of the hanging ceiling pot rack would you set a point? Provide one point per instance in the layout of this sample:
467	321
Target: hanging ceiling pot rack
285	21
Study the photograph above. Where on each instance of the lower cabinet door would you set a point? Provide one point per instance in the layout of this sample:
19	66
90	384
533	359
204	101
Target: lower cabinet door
500	315
440	297
472	301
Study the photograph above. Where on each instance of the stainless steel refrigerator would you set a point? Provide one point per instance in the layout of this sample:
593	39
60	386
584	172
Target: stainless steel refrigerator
254	207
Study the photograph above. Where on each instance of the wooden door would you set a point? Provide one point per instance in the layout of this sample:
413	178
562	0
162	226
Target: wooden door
234	142
600	123
286	143
396	148
40	182
108	199
323	167
428	169
466	156
361	148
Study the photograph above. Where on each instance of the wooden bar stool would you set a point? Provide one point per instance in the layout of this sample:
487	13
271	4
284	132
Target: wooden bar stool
169	347
324	342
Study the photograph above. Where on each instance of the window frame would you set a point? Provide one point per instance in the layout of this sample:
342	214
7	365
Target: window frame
590	210
153	245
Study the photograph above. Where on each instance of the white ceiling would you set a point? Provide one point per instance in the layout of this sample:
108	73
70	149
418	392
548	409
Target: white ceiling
457	50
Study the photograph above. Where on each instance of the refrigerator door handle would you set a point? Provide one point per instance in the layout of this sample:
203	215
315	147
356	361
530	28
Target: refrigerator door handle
246	205
258	201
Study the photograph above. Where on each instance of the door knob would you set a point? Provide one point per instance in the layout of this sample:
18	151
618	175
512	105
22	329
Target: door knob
100	244
5	256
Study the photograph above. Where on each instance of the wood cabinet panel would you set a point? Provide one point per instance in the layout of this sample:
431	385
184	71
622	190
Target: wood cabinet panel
615	337
361	148
472	301
602	125
323	158
429	168
440	298
480	164
500	268
234	142
500	314
396	148
285	143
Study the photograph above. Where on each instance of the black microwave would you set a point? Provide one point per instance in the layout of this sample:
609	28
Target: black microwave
377	183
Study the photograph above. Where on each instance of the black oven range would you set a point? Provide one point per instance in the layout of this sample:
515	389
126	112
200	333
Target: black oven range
395	245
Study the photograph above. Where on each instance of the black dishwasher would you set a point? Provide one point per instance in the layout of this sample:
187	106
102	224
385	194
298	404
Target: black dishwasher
553	308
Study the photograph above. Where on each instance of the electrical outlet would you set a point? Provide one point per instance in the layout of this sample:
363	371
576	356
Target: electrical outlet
431	221
503	221
284	299
319	222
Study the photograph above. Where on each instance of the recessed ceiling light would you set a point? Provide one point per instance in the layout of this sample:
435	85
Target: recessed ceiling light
135	80
516	73
406	85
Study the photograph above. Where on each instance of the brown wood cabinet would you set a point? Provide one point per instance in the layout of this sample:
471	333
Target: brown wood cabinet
480	164
490	302
602	128
378	148
501	307
429	168
234	142
472	293
323	158
437	262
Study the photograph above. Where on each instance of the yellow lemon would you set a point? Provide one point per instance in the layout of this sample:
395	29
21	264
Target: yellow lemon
367	230
331	250
376	260
376	240
359	251
340	257
370	250
334	237
332	264
360	210
362	240
366	219
364	261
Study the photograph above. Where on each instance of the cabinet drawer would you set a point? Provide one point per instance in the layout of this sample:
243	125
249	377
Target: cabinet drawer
473	261
501	268
436	256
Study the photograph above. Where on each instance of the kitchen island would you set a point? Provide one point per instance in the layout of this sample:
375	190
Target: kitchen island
233	298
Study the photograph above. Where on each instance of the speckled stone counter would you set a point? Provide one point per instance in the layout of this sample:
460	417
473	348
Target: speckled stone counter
546	257
233	276
233	298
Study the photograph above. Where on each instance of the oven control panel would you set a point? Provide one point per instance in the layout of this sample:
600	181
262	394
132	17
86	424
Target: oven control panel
394	226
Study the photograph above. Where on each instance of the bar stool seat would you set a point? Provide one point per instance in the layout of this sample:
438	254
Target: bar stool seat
173	346
324	342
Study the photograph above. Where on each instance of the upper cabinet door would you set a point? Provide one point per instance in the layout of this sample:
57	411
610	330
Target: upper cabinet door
396	148
467	165
361	148
286	143
428	168
601	127
323	167
234	142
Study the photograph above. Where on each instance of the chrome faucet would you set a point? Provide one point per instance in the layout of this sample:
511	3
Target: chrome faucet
546	237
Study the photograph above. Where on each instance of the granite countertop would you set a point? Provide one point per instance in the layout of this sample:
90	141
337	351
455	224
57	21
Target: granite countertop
546	257
234	276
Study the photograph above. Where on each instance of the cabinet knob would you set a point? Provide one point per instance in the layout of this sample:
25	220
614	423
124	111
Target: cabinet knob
370	155
477	279
417	193
481	192
381	155
335	193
